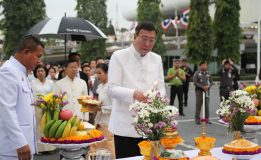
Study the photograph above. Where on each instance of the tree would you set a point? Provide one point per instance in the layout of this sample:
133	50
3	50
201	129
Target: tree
148	10
95	12
199	32
19	16
227	30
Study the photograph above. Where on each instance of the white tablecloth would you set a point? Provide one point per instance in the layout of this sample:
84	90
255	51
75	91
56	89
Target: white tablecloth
216	152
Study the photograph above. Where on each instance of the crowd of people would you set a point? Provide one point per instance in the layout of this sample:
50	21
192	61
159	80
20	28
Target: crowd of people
130	73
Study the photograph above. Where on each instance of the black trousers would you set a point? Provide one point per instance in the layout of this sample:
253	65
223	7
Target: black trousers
126	146
179	91
185	93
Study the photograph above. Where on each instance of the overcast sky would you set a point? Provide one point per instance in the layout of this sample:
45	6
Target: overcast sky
57	8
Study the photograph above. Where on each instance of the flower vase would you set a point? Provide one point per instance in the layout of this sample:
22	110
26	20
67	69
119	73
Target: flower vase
236	135
155	146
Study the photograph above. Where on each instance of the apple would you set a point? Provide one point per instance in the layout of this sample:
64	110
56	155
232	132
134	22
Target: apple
66	114
256	102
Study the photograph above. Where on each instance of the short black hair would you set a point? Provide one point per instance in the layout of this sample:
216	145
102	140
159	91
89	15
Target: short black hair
40	66
227	62
71	61
29	42
73	54
184	60
146	25
203	62
103	66
176	60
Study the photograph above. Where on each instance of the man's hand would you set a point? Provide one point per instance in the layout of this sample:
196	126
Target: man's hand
138	95
24	153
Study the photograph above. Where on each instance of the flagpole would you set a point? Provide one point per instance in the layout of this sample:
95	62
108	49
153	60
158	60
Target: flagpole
177	32
258	38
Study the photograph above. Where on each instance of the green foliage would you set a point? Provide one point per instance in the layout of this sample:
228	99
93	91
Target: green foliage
95	12
148	10
19	16
227	29
199	32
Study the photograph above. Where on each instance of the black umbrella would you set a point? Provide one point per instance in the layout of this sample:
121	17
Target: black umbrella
67	28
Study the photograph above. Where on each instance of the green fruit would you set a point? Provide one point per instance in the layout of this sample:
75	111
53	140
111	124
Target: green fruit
60	130
56	114
77	121
71	120
47	127
67	130
54	128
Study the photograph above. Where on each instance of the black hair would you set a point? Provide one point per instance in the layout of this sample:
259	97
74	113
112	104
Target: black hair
53	69
103	66
184	60
146	26
98	58
71	61
73	55
40	66
29	42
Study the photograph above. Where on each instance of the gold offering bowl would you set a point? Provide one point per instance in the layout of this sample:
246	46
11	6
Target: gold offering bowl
145	149
205	144
170	143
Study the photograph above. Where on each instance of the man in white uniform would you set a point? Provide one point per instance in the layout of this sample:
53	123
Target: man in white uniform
132	72
17	119
74	88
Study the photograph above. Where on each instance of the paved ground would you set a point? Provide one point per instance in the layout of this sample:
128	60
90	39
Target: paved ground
187	128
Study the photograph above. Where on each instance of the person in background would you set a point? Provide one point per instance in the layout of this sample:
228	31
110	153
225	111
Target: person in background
74	88
176	76
132	72
203	82
17	119
41	85
103	116
51	74
77	57
189	74
96	82
227	78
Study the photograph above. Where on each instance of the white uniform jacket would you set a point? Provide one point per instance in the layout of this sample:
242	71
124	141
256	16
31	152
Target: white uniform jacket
128	71
17	120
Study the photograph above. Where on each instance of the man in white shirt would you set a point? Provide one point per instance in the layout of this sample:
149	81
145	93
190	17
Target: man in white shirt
17	118
74	87
132	71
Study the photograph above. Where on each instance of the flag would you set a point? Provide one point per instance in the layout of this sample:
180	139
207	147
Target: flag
165	23
185	17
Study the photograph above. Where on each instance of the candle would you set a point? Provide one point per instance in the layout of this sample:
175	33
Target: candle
203	107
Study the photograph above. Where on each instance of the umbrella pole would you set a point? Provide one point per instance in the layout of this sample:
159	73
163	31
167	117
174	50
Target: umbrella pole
65	40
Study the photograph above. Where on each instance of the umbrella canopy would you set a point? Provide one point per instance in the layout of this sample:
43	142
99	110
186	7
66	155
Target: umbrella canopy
75	29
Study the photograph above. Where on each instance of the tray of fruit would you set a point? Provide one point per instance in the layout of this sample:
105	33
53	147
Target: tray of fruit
69	131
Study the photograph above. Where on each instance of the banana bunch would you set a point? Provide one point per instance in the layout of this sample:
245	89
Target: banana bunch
62	129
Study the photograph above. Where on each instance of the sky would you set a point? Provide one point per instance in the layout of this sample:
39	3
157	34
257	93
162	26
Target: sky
57	8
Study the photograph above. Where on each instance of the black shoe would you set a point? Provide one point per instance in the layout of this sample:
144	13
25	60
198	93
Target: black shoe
185	104
182	114
197	122
208	122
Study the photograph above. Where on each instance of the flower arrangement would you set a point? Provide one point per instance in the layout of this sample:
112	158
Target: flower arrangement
236	109
255	91
153	116
51	104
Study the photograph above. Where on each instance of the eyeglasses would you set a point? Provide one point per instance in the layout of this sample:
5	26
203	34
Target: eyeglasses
146	39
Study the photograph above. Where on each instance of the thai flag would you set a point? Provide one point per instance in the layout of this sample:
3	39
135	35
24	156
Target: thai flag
185	17
165	23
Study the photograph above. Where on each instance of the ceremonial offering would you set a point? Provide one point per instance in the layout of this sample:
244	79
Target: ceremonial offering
152	117
236	109
172	155
241	149
89	104
204	158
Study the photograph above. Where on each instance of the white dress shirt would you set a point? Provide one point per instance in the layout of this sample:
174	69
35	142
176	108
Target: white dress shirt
41	88
74	89
17	119
128	72
102	117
